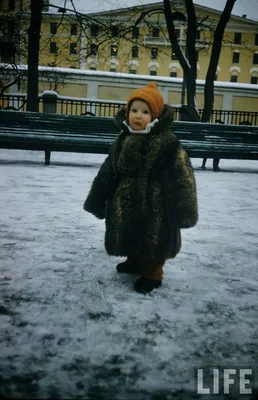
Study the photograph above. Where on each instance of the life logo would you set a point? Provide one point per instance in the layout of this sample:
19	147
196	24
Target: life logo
210	381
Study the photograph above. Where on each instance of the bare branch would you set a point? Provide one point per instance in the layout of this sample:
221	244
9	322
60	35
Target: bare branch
172	36
191	34
9	84
214	59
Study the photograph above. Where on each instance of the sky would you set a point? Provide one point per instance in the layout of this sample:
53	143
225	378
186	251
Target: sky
248	7
72	327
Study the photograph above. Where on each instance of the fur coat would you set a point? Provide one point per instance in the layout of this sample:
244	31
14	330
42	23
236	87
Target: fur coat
146	191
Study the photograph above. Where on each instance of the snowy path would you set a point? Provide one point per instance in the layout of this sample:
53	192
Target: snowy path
71	327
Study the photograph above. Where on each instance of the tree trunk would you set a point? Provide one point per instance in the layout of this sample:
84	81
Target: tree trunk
215	54
190	81
187	60
36	8
191	74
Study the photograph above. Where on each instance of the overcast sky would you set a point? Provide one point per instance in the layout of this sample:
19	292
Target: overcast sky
248	7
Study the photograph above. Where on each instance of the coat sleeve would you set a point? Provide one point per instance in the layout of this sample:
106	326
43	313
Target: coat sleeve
180	190
101	190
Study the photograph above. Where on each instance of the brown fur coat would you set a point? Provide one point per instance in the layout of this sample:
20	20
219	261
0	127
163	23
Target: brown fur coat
146	191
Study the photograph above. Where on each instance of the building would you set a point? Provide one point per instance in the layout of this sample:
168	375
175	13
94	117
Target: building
111	41
114	42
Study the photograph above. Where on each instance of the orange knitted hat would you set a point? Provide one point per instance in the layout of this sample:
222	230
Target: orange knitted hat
151	95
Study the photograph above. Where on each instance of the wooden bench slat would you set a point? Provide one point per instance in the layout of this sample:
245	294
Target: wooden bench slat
56	132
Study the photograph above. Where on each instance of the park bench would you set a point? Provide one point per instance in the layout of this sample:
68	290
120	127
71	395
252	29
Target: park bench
89	134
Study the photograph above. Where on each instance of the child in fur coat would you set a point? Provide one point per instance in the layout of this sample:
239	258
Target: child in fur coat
145	189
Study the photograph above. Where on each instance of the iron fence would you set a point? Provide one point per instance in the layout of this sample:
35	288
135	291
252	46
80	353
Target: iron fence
108	108
99	108
13	102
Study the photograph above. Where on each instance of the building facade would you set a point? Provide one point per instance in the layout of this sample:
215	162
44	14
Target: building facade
113	41
78	51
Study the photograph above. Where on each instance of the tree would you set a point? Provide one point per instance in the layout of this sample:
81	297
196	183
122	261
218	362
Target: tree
10	50
215	54
36	8
188	61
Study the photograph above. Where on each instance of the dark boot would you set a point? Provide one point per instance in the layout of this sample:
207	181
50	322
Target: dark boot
146	285
127	267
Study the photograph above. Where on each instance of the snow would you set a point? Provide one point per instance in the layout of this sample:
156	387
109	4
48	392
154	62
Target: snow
71	327
120	75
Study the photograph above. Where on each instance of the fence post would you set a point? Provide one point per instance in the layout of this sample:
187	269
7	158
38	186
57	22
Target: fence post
49	106
49	101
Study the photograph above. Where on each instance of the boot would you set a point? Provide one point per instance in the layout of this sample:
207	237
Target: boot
127	267
146	285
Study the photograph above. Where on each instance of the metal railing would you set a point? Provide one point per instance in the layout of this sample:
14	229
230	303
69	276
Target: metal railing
99	108
13	102
108	108
161	40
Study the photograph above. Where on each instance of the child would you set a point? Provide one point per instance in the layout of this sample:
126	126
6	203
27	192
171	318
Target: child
145	189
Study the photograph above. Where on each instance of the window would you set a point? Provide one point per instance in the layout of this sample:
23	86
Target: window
255	58
113	50
74	30
154	53
6	52
114	31
178	33
154	73
73	49
236	56
93	49
112	70
135	51
254	80
94	30
256	39
132	71
173	56
233	78
173	74
53	28
135	32
92	68
198	35
11	5
237	38
53	48
155	32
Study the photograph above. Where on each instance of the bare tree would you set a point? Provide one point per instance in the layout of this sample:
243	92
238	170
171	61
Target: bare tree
188	61
36	8
10	50
54	79
13	81
215	54
110	21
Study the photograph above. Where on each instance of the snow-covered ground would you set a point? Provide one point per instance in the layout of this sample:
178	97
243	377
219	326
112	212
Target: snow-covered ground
71	327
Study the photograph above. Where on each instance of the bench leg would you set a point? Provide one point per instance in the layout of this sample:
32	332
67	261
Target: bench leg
216	164
47	157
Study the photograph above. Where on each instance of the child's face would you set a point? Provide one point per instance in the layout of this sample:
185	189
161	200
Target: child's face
139	115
